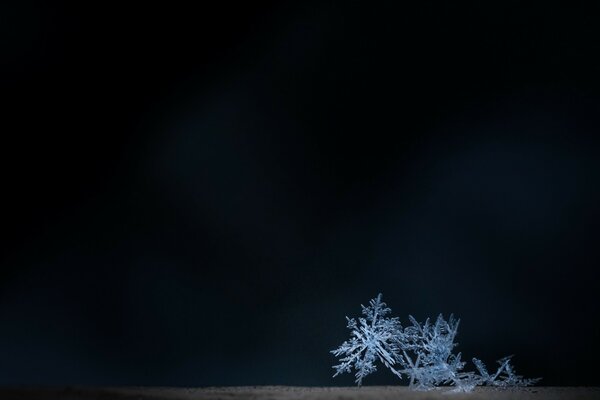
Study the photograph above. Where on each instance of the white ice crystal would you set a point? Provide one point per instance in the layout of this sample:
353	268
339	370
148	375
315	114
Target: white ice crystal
505	376
373	338
423	352
431	362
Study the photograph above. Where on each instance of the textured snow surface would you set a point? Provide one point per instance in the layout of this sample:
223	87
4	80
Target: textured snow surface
299	393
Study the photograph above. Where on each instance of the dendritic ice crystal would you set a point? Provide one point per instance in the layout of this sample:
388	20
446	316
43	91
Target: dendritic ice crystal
374	337
421	351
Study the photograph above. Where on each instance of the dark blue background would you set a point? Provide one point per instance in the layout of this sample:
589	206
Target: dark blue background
198	195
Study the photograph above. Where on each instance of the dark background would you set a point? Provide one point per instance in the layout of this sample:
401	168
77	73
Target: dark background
198	195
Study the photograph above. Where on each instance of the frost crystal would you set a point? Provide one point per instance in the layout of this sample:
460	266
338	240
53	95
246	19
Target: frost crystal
373	338
422	351
505	375
433	363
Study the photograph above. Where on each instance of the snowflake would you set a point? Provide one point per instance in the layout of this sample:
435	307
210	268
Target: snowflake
434	364
424	352
505	376
373	338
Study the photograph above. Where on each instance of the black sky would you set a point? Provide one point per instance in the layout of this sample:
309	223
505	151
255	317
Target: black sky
198	195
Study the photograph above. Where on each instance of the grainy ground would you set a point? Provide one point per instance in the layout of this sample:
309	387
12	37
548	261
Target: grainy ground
296	393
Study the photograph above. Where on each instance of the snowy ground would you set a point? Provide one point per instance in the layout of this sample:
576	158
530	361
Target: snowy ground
295	393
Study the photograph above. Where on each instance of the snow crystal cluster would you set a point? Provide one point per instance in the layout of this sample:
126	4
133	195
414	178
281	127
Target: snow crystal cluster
422	352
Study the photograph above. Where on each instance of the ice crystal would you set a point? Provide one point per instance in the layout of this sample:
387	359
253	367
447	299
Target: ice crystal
373	338
432	362
423	352
505	376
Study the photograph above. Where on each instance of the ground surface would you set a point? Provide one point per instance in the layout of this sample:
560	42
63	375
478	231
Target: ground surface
295	393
